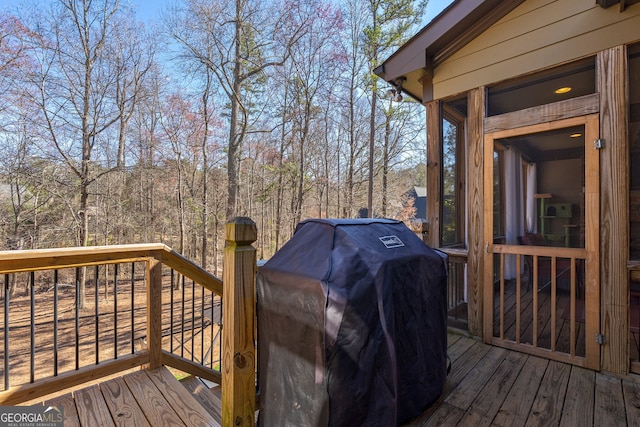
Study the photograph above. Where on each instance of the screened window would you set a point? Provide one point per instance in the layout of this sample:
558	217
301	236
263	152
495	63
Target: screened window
553	85
453	174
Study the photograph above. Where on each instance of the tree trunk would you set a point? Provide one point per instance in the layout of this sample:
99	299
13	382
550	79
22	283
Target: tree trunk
235	136
372	147
385	164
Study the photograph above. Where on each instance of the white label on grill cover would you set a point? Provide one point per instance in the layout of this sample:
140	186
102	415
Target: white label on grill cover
391	241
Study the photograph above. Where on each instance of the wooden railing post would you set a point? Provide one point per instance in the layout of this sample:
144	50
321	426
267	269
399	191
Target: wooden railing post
154	312
238	319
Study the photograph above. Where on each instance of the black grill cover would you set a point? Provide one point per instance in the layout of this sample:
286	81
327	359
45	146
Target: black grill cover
351	326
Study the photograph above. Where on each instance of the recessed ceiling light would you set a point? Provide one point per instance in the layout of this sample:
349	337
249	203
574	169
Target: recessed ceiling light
575	135
562	90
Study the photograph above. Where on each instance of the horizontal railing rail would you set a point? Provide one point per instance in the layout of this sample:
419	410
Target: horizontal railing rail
73	315
78	314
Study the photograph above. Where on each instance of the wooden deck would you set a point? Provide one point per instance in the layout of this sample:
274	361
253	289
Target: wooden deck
142	398
487	385
496	387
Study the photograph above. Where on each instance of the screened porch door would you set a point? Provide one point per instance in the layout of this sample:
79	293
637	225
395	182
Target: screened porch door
541	222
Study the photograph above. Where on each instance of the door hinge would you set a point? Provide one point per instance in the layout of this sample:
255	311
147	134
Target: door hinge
601	339
598	144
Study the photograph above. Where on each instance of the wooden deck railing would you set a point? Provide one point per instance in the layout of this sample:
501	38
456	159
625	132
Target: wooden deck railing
456	285
80	314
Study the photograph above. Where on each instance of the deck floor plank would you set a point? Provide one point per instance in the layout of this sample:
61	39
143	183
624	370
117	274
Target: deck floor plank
578	404
609	402
208	398
446	415
92	409
151	401
462	397
461	366
182	402
68	405
456	347
122	404
547	406
487	386
487	403
517	404
631	390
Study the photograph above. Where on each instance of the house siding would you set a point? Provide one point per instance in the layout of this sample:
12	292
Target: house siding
536	35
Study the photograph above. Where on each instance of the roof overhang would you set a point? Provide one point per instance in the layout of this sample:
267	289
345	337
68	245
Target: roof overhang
448	32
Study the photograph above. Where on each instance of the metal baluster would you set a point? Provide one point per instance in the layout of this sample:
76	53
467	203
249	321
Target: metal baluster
193	319
133	308
32	367
97	315
220	334
213	314
171	310
202	325
6	331
55	323
77	350
182	329
115	311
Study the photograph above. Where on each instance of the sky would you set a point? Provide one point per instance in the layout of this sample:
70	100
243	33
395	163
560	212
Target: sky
149	10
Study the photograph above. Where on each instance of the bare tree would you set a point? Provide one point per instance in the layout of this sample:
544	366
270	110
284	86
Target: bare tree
78	88
390	23
238	40
403	128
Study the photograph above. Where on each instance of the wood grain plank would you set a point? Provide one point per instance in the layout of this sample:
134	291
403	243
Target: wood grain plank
609	402
458	347
434	175
92	409
487	403
461	365
446	415
153	404
66	380
238	313
578	403
182	402
123	406
464	364
210	399
68	406
547	406
487	241
631	391
452	338
463	396
517	404
475	208
580	106
614	210
154	312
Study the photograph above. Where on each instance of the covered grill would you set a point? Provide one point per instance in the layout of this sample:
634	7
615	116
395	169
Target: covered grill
351	325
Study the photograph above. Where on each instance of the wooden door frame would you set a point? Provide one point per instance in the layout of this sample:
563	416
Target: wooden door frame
592	225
